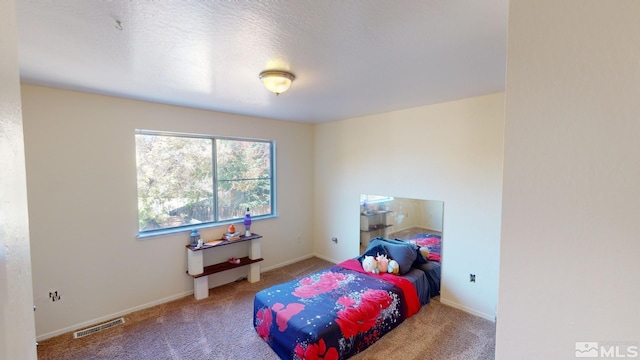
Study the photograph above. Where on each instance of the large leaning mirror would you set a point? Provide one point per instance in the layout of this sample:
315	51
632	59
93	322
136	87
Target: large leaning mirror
411	220
414	220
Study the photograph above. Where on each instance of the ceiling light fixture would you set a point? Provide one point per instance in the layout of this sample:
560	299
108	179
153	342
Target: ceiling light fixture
277	81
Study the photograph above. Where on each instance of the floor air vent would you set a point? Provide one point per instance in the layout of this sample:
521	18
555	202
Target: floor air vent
94	329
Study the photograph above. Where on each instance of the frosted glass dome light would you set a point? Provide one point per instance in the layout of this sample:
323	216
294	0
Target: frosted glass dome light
277	81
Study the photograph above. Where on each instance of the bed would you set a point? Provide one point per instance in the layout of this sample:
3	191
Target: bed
433	243
340	311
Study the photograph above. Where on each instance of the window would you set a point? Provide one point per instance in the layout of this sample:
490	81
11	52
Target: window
186	180
372	199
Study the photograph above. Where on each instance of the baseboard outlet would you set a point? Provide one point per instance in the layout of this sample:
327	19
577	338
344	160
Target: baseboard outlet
490	317
111	316
94	329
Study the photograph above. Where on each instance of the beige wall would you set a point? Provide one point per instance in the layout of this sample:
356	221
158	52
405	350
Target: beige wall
432	212
81	177
407	213
453	153
570	253
17	329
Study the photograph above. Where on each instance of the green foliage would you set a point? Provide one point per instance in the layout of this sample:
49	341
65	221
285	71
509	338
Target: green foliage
243	173
175	179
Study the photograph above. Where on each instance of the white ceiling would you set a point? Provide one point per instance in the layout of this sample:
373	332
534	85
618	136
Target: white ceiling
351	58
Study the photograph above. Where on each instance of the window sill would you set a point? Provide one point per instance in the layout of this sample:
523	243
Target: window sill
187	229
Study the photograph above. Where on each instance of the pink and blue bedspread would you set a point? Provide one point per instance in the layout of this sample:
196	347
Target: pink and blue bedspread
334	313
433	242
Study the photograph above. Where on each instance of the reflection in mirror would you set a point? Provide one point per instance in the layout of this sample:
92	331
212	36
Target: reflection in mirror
408	219
411	220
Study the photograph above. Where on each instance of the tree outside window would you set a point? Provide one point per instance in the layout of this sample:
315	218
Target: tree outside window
177	175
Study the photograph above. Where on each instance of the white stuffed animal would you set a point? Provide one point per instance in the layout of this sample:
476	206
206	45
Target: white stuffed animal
383	263
394	267
369	264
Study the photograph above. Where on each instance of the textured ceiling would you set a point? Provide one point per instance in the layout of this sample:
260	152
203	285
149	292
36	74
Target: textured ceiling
351	58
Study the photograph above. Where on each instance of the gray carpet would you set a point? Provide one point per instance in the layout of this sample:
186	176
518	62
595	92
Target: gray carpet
220	327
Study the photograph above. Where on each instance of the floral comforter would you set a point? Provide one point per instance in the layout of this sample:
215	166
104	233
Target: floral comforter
334	313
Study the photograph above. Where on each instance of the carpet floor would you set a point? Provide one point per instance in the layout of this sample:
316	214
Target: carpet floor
221	327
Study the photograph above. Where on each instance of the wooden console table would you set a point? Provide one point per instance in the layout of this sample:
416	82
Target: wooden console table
200	273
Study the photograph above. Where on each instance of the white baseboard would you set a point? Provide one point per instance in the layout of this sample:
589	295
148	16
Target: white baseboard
490	317
326	259
112	316
297	260
286	263
157	302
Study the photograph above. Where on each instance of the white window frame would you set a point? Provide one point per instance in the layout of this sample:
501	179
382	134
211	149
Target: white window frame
215	222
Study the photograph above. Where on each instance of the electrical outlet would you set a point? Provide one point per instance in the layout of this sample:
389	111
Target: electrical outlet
54	295
334	239
472	278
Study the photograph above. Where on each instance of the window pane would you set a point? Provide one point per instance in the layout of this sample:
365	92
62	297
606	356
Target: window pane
374	198
175	180
239	159
234	197
244	178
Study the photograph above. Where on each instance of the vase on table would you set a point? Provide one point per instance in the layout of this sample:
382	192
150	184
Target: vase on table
247	223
